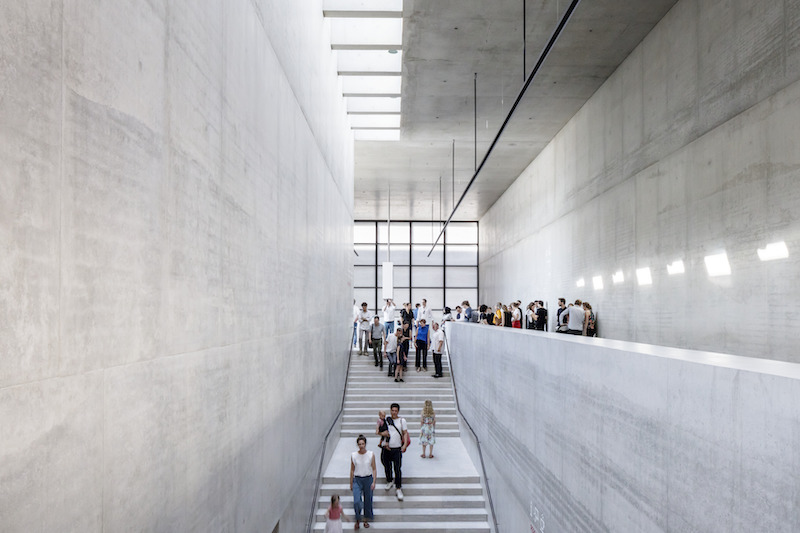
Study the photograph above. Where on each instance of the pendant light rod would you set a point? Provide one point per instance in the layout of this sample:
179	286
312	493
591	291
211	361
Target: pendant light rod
533	73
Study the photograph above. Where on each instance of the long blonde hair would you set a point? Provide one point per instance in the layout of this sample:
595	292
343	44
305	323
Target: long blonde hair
428	409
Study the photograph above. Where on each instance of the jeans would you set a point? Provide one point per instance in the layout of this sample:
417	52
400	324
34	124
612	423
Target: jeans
363	340
394	458
422	349
389	327
392	357
437	363
362	486
376	351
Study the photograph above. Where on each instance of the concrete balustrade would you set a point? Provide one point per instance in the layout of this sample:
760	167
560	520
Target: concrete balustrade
587	434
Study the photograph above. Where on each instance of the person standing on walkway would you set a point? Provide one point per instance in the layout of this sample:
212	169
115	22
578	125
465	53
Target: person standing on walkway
376	338
362	480
422	343
397	434
427	428
437	343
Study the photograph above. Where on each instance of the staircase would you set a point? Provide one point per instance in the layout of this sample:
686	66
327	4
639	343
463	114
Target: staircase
440	494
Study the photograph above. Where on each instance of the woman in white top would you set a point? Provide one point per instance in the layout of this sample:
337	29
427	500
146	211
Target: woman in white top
362	480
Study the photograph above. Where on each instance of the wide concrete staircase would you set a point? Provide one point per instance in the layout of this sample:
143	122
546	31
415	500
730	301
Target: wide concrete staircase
440	494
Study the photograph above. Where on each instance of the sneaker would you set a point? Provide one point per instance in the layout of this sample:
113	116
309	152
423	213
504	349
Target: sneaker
399	494
401	379
396	380
389	485
424	369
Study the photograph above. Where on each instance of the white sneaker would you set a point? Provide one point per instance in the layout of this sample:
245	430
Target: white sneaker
389	485
399	494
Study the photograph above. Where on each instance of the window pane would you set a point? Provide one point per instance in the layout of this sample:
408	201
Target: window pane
454	297
364	276
364	232
435	299
400	233
426	276
366	254
462	233
365	295
400	276
419	254
399	254
401	296
462	254
425	232
461	277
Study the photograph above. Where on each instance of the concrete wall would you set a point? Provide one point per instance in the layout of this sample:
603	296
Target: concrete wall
585	435
175	220
687	150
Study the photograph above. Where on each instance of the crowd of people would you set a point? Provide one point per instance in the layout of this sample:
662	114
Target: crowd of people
415	325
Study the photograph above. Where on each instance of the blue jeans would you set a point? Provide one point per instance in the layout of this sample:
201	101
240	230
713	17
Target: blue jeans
389	327
362	485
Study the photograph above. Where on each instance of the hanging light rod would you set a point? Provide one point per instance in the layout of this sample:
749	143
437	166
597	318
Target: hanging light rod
533	73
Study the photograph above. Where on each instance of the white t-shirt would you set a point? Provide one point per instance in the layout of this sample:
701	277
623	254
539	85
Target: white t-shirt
363	320
516	315
427	314
388	313
391	343
395	438
437	336
363	463
576	317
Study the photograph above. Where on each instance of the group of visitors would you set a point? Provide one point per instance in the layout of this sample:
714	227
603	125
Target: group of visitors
576	319
395	345
579	321
393	442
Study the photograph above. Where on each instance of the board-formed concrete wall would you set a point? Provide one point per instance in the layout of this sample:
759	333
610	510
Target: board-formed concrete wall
175	220
689	149
592	435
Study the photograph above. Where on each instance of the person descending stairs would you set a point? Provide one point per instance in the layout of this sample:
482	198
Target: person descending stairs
439	494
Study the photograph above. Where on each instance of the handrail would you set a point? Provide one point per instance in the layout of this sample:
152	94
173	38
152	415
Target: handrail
477	440
317	487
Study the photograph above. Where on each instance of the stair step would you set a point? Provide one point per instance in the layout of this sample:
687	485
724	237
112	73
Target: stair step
413	489
391	501
438	480
418	514
419	527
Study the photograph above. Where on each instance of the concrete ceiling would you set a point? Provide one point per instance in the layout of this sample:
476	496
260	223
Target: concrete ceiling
446	42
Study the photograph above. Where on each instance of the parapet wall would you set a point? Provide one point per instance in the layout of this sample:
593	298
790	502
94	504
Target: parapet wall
599	435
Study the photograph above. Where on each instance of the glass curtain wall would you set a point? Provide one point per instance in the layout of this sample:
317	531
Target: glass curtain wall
446	278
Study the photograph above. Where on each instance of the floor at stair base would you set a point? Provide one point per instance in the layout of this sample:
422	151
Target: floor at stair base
450	459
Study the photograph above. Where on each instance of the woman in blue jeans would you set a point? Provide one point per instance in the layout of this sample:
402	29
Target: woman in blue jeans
362	480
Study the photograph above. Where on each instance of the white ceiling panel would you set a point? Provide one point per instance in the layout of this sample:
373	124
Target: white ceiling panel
367	31
375	121
367	104
376	135
362	5
369	61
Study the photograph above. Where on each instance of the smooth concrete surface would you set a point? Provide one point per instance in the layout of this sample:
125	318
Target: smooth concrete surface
593	435
687	150
175	220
